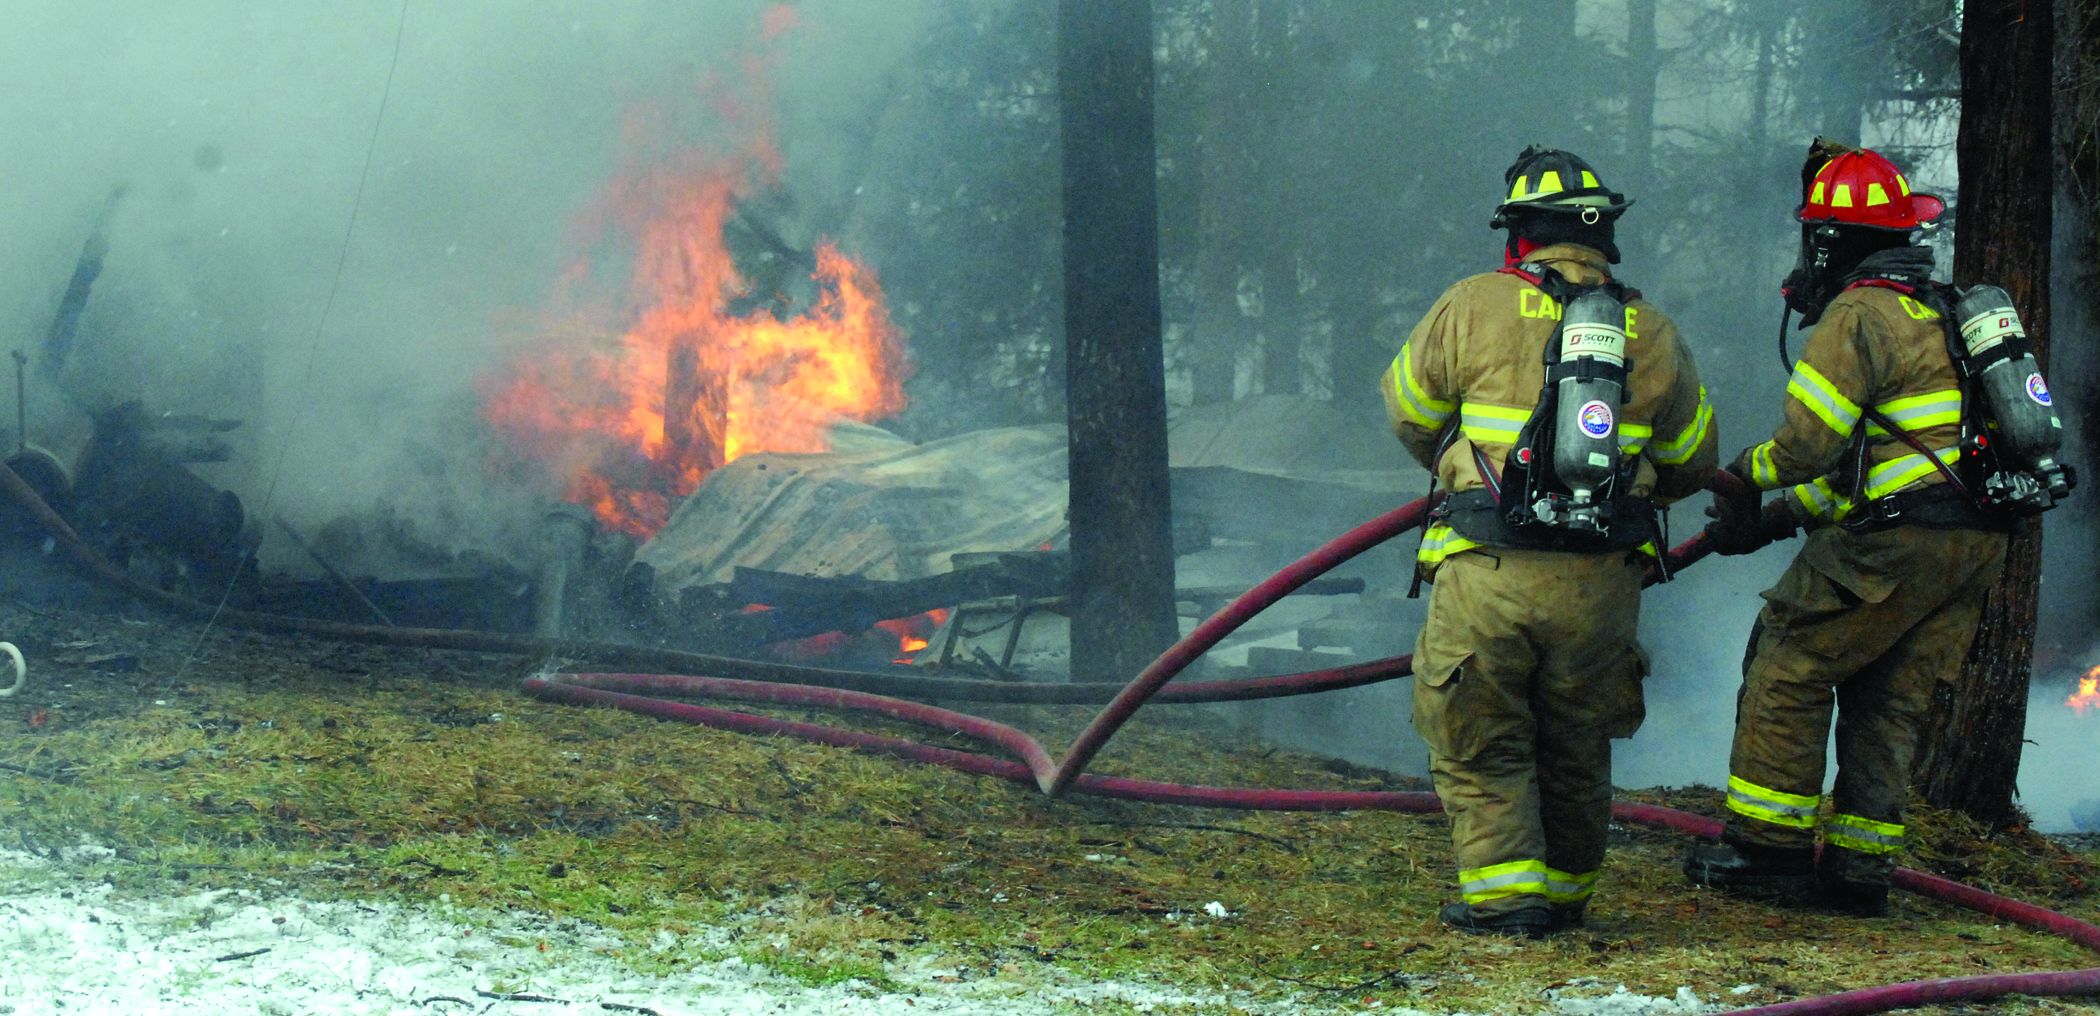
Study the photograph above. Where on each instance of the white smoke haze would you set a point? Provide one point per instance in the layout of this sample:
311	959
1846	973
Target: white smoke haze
240	130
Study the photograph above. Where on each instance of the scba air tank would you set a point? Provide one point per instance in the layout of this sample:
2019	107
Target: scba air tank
2002	367
1590	387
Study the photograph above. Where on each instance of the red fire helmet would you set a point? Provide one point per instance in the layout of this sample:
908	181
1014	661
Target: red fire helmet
1860	188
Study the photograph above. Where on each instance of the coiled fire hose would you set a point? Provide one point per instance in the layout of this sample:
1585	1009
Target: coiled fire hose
14	657
860	691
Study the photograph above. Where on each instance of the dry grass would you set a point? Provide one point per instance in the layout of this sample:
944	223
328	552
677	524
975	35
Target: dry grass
358	772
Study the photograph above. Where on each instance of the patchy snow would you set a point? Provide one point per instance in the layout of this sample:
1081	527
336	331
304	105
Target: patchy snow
1620	1002
70	946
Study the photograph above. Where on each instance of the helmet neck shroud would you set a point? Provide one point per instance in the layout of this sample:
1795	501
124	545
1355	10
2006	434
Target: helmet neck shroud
1550	227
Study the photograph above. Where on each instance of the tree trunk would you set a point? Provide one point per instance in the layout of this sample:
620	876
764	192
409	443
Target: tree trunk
1643	63
1282	336
1274	111
1969	745
1221	328
2078	141
1122	581
1836	80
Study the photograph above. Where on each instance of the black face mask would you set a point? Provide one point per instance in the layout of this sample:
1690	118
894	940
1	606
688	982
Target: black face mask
1832	258
1813	282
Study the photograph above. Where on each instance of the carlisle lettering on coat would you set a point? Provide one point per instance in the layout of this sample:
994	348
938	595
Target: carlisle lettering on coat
1534	304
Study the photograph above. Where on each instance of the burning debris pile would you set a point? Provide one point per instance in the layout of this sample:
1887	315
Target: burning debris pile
707	451
118	470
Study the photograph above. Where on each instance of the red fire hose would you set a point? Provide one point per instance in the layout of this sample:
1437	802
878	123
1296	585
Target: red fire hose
843	690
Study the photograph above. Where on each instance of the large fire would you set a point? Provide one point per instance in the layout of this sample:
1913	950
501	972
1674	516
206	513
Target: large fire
631	425
2088	696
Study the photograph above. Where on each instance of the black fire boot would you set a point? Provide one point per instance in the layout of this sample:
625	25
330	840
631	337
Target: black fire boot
1853	884
1529	922
1568	915
1748	869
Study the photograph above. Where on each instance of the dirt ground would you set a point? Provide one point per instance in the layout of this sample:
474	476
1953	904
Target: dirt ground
202	759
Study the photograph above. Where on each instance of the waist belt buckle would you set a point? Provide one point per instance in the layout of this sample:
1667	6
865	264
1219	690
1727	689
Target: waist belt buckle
1888	510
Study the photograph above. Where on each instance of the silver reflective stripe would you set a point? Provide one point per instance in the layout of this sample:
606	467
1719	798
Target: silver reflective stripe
1679	450
1562	887
1778	807
1414	401
1918	412
1525	878
1499	424
1822	398
1904	470
1865	835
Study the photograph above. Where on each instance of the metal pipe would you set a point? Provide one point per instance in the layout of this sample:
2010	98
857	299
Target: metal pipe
567	530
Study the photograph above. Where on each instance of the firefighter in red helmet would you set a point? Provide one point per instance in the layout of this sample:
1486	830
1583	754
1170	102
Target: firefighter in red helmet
1877	456
1557	408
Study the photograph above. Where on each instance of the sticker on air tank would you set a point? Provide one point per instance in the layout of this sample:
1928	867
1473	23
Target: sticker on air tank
2038	389
1594	418
1986	330
1602	341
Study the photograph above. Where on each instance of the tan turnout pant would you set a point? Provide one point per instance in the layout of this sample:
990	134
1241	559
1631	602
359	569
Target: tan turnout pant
1526	669
1863	625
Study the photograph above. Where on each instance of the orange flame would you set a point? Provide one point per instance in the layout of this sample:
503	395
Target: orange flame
913	633
631	426
2088	696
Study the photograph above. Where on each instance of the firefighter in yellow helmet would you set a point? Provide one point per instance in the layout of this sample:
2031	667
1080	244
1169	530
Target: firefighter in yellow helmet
1883	454
1557	409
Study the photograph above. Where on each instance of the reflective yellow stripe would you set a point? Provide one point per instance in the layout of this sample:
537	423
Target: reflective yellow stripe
1855	832
1484	423
1441	407
1810	388
1917	412
1904	470
1501	881
1634	436
1679	450
1764	474
1876	195
1795	811
1411	397
1569	887
1821	501
1441	541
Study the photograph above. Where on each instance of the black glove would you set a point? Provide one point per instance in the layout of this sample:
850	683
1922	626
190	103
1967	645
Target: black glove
1740	524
